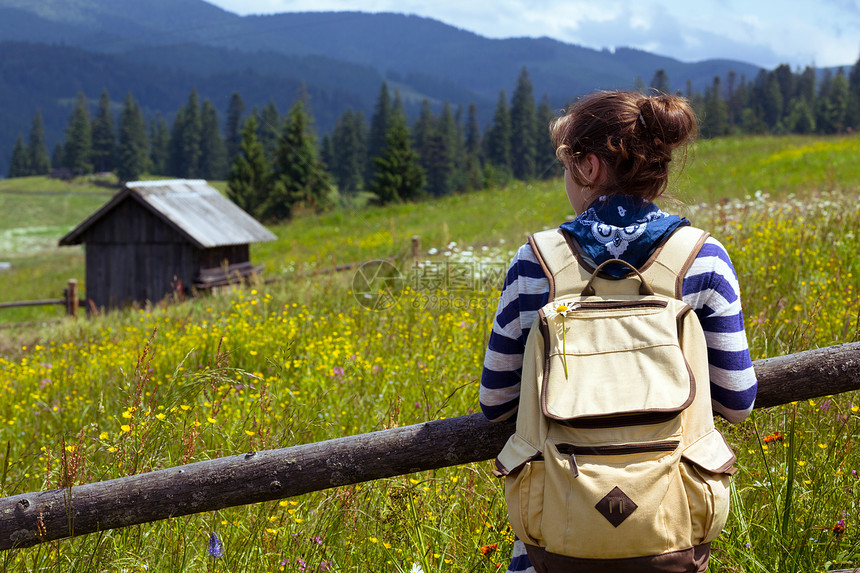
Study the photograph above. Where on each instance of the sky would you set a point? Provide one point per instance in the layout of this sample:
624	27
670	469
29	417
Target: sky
762	32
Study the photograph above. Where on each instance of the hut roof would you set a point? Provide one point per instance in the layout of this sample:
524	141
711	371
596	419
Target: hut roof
191	206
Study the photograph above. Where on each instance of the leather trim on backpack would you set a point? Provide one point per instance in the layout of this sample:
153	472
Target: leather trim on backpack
545	268
679	282
579	254
693	559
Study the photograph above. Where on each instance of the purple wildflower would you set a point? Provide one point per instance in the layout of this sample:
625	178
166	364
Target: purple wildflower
215	546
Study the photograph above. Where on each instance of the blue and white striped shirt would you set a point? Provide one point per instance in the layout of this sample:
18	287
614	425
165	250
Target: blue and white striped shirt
710	287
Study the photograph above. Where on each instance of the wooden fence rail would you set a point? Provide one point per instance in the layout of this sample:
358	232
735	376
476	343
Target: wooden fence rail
70	300
31	518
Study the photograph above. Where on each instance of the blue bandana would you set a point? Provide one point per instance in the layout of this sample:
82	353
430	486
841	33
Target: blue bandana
622	227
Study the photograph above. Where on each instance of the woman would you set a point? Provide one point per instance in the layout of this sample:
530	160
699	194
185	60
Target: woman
616	148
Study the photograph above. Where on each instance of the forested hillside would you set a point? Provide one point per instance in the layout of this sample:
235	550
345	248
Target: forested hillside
159	51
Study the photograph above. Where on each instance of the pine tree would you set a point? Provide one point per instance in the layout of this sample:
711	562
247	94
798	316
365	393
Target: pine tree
425	143
159	145
349	150
175	158
838	104
437	141
249	181
824	113
58	156
233	132
716	120
326	152
497	140
800	118
79	140
299	176
398	176
192	129
523	118
104	136
379	124
18	166
449	168
773	104
269	129
474	169
787	83
660	81
133	152
185	136
852	110
473	131
422	129
548	165
38	160
213	152
806	85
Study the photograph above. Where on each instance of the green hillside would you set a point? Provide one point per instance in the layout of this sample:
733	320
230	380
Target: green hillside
498	219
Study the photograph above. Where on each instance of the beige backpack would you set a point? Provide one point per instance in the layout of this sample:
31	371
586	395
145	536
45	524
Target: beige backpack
615	453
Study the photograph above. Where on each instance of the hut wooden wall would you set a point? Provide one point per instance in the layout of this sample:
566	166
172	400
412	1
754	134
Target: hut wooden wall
118	274
134	256
215	257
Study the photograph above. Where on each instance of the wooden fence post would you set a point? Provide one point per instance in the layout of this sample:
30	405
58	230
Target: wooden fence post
72	298
416	246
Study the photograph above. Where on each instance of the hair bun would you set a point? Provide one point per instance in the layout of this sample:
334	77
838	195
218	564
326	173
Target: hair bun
667	118
632	135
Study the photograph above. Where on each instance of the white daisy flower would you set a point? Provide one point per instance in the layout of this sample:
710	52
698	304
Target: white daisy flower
562	309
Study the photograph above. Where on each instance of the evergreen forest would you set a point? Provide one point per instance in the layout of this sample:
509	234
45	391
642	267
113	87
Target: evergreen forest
276	162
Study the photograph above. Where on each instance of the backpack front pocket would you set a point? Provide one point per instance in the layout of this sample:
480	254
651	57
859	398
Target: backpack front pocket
706	468
613	501
524	490
614	360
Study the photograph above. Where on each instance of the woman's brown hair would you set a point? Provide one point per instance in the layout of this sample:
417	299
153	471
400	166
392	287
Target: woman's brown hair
632	134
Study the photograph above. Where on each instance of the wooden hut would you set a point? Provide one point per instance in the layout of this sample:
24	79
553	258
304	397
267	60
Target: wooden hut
157	238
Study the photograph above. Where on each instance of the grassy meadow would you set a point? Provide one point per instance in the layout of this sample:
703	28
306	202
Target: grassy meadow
305	359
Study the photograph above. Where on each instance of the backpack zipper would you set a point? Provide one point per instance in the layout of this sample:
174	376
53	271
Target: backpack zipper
611	305
616	450
572	451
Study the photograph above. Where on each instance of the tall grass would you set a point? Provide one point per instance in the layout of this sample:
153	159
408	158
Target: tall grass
305	360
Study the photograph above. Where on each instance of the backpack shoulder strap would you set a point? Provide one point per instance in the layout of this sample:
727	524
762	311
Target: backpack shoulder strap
664	270
667	266
560	264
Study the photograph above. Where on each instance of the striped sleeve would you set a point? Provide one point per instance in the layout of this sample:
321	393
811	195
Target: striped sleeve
526	289
711	289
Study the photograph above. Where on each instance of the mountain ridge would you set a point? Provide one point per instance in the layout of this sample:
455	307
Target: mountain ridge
162	48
